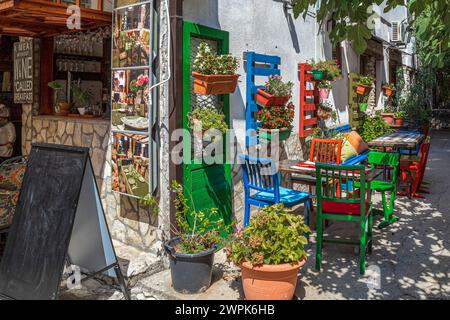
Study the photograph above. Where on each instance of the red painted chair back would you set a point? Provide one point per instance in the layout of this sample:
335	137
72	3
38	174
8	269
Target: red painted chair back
424	152
326	151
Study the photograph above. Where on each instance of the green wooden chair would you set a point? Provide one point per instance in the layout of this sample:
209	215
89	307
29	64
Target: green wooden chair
389	161
339	200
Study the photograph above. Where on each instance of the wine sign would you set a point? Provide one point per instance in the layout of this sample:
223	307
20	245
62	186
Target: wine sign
23	72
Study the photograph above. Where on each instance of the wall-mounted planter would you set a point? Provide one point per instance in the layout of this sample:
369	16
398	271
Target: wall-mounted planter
387	91
318	75
266	99
267	134
363	89
363	106
388	117
214	84
324	93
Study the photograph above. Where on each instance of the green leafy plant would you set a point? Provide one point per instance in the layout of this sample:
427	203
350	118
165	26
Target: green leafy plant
209	63
274	236
366	81
276	87
400	114
330	68
55	85
150	201
373	127
324	84
204	231
277	117
209	118
82	98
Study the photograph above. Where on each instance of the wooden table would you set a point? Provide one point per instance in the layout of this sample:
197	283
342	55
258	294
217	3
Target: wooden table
398	140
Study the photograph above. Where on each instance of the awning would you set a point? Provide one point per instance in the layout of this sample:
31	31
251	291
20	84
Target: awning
39	18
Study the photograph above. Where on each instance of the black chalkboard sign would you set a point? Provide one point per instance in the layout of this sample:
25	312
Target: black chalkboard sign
50	224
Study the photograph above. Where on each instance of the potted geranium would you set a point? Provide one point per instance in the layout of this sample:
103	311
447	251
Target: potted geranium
276	120
191	252
213	73
324	87
275	93
365	84
325	111
388	115
270	253
399	118
326	70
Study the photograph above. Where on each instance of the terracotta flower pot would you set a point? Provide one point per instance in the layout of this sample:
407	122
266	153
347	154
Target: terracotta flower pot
387	91
270	282
214	84
388	117
266	99
324	93
362	89
399	121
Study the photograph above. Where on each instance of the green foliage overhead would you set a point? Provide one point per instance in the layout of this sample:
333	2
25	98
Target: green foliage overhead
274	236
352	17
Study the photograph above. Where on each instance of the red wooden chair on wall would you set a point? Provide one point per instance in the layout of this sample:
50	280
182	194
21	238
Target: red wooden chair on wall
413	171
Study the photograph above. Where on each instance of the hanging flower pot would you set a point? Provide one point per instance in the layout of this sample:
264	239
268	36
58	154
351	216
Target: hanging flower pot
214	84
324	93
363	106
318	74
362	89
387	91
268	134
266	99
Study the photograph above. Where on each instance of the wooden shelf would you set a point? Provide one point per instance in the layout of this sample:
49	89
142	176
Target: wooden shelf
77	56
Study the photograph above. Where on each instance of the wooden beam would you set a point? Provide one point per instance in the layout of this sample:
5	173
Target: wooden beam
46	74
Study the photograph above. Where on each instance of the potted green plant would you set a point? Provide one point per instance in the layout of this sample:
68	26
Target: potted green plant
276	120
325	111
205	120
59	108
399	118
324	87
213	73
270	253
326	70
364	103
388	115
373	127
365	84
82	99
275	93
191	251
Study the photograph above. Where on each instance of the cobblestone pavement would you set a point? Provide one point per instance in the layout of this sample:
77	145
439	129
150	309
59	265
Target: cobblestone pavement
412	256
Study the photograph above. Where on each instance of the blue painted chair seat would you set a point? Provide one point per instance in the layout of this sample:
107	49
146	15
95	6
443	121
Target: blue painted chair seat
287	196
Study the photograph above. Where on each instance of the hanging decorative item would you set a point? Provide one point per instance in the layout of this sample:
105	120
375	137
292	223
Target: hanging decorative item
364	85
324	87
213	73
388	89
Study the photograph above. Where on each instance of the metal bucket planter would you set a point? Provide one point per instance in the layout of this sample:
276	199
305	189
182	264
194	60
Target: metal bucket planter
266	99
191	273
214	84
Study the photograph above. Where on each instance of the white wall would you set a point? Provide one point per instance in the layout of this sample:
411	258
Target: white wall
264	27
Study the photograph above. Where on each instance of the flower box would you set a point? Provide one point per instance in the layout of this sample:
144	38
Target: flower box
267	134
266	99
214	84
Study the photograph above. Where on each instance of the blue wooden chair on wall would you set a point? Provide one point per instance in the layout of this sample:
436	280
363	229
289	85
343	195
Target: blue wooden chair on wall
262	187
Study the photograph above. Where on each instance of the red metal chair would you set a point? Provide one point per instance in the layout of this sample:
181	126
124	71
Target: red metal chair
414	171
